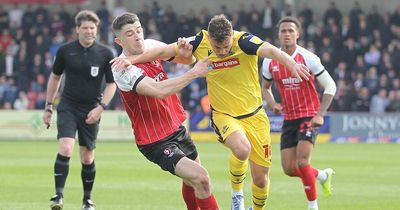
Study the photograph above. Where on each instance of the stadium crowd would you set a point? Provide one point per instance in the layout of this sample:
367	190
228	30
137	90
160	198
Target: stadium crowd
361	49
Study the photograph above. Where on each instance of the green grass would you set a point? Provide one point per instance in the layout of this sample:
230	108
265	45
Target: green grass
367	178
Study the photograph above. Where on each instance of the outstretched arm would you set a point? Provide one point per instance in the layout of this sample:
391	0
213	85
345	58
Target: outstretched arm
179	52
132	80
299	71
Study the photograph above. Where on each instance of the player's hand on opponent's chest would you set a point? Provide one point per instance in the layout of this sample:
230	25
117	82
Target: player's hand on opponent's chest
300	71
94	115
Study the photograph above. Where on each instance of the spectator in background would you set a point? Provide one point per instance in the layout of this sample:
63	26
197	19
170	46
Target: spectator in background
359	65
371	80
104	16
15	15
394	104
354	15
341	72
332	12
349	53
269	19
22	69
379	102
374	19
10	93
362	101
373	56
4	19
22	102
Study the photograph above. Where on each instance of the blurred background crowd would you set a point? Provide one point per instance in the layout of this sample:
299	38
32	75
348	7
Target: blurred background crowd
361	49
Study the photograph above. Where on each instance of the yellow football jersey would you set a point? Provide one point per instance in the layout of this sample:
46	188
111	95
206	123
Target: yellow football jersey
233	83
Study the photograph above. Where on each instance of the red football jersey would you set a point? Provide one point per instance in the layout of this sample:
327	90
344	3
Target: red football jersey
153	119
299	99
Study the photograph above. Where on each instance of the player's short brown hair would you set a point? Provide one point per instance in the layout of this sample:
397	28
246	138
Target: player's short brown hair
290	19
219	28
86	15
124	19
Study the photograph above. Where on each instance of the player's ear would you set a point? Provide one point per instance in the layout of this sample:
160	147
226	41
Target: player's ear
118	41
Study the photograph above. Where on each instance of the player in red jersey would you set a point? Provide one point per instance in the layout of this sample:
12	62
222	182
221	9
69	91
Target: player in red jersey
301	106
157	114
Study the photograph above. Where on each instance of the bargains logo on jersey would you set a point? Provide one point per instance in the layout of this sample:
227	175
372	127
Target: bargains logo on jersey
226	63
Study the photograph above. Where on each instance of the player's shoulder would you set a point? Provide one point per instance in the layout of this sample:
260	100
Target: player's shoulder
248	42
307	54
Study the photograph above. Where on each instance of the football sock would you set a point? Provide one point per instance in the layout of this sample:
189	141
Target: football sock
88	174
308	175
238	170
189	197
209	203
322	176
61	168
260	196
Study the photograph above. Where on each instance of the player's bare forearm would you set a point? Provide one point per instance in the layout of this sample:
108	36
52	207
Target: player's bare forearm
326	102
168	87
164	52
267	93
272	52
184	60
299	71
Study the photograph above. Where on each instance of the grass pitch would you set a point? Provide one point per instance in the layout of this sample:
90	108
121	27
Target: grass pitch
367	178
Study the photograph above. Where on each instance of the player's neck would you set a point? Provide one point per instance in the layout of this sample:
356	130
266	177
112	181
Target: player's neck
289	49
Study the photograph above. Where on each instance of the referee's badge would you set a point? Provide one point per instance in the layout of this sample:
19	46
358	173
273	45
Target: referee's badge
94	71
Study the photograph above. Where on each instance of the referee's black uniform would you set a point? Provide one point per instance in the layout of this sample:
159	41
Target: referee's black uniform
84	69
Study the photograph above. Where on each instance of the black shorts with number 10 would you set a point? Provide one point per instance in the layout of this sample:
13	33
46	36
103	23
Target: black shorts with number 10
297	130
167	152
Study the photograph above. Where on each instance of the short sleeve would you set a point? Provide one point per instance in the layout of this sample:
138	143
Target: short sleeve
108	72
312	61
59	62
196	40
265	69
128	79
250	43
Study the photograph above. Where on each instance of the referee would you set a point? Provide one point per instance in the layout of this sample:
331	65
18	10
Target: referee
84	63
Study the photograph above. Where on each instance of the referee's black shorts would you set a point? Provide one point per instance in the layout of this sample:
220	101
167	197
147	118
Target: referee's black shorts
71	118
167	152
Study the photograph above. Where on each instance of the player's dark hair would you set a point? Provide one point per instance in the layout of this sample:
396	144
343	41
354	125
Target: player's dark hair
124	19
219	28
290	19
86	15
